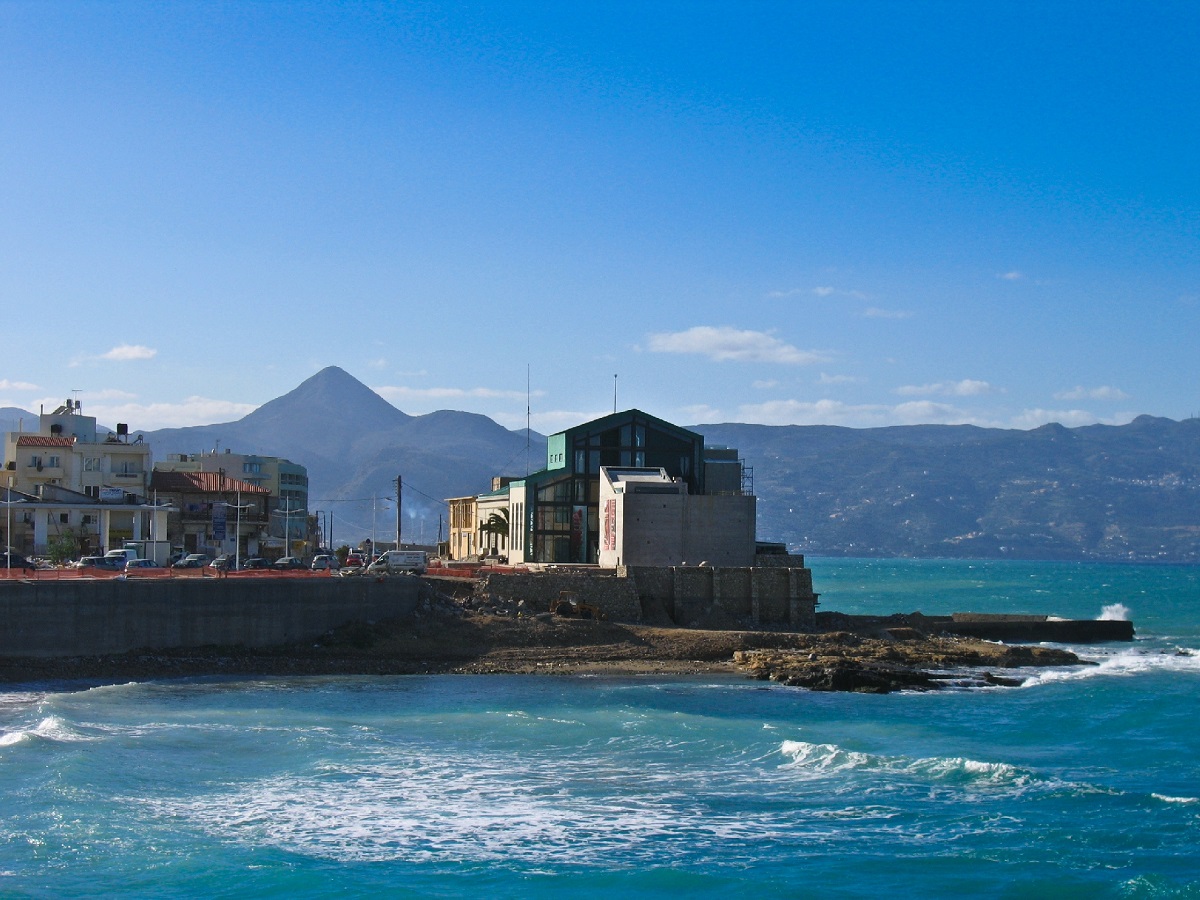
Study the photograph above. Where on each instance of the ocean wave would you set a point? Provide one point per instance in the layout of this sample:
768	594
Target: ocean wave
1122	663
51	729
875	773
1168	799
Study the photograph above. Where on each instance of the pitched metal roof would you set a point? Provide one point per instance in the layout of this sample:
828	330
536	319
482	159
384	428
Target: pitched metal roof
42	440
202	482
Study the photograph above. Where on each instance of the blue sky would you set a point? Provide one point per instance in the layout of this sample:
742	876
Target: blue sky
790	213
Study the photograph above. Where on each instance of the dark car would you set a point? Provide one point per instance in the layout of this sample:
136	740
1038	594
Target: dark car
255	562
288	562
106	563
192	561
10	559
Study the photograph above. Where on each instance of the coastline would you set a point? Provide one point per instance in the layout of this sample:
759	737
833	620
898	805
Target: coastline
441	643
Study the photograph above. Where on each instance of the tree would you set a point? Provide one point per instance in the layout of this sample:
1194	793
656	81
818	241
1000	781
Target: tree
63	546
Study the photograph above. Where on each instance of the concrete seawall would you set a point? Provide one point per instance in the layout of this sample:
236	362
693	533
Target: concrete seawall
85	618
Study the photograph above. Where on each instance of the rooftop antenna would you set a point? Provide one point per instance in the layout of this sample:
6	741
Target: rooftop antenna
614	393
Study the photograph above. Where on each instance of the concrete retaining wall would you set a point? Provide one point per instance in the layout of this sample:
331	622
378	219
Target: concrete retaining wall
617	597
84	618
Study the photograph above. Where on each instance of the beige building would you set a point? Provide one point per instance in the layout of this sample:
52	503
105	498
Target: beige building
72	480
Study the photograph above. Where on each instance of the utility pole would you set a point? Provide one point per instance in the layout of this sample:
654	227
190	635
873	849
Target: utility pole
399	494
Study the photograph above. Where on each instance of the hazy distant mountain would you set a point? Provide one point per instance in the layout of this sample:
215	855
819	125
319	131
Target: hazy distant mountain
1097	492
354	444
1129	492
12	417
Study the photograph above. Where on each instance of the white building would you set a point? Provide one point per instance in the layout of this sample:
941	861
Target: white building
74	480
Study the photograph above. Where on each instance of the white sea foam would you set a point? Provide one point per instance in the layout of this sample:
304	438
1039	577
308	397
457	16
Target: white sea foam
51	728
462	810
821	760
1168	799
1125	662
1118	612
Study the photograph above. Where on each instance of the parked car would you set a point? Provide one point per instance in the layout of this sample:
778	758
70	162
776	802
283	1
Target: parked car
107	564
255	562
353	561
10	559
133	565
324	561
192	561
224	563
288	562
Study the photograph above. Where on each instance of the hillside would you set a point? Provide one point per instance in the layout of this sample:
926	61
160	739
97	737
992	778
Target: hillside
1128	492
354	444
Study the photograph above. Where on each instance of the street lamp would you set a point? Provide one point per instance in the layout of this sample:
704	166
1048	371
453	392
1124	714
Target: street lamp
237	534
287	514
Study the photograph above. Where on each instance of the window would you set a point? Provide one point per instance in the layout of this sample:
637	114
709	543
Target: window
53	462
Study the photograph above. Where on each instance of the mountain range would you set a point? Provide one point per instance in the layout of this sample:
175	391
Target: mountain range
1128	492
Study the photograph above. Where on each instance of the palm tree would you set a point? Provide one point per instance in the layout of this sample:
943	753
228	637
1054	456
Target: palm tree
496	525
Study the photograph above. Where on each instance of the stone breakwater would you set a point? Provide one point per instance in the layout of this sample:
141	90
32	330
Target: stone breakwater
842	661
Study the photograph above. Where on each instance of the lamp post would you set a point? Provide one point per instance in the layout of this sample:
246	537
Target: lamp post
237	534
8	502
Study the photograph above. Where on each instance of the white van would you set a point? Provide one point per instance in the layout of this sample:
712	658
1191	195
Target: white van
414	561
122	556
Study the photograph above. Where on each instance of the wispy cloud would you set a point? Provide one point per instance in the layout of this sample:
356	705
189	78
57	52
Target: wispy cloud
1104	392
1014	275
150	416
6	385
838	379
127	352
395	393
968	387
764	385
726	344
868	415
874	312
821	290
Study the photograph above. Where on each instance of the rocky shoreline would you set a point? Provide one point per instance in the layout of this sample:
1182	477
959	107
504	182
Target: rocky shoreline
456	641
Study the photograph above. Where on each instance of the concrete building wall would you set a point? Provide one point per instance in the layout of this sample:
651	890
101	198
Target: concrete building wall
648	529
79	618
719	530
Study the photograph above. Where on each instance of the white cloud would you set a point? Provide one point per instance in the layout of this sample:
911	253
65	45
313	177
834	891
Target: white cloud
1011	276
6	385
1105	392
821	290
727	344
874	312
127	352
968	387
765	385
700	412
838	379
867	415
152	416
400	393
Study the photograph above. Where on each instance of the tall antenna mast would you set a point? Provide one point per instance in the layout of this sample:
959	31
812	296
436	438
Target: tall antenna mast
614	393
528	416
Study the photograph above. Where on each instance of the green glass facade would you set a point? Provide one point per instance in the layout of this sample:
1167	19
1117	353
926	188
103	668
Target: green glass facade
563	513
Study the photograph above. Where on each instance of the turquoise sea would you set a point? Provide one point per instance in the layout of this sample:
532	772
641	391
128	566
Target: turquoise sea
1082	783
